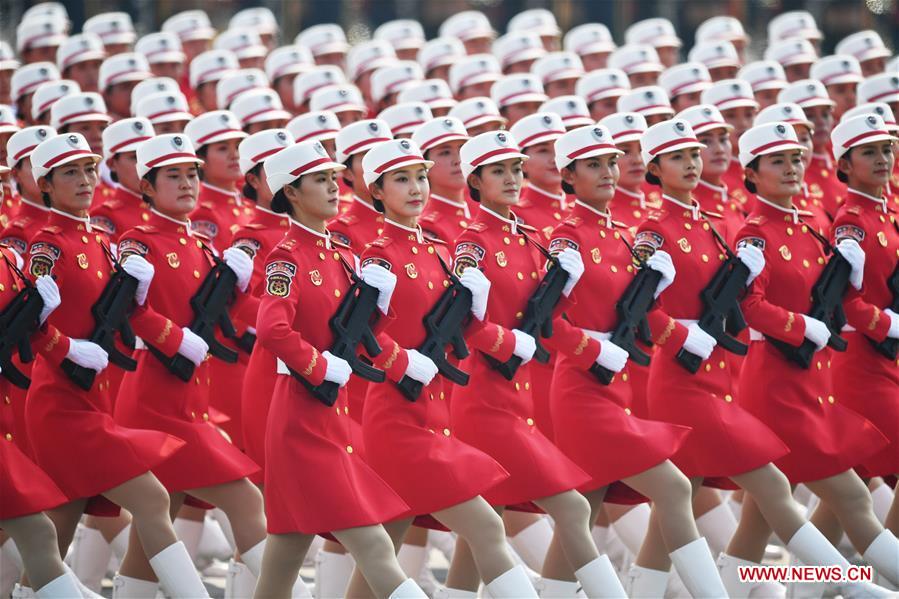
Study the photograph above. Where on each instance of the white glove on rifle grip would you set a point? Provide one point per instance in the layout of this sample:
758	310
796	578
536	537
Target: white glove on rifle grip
855	256
421	368
525	346
479	285
611	356
193	347
49	292
381	279
571	262
661	262
337	370
754	260
698	342
87	354
242	265
143	271
816	331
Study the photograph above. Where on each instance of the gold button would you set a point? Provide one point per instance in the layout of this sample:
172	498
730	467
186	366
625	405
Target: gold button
98	239
530	421
708	367
688	226
527	386
627	411
337	293
337	409
446	432
806	263
630	268
520	276
705	226
430	285
506	240
84	239
9	436
182	241
321	255
145	217
830	399
430	249
337	255
349	449
99	274
818	365
728	398
534	275
196	274
446	283
820	260
206	417
721	365
602	234
624	377
519	315
346	409
6	399
521	241
557	216
517	386
235	212
442	395
193	414
414	250
613	268
820	400
617	235
2	287
789	230
705	258
199	243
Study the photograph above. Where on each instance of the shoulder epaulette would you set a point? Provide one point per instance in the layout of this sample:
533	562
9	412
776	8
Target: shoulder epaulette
757	220
477	227
381	242
146	228
347	219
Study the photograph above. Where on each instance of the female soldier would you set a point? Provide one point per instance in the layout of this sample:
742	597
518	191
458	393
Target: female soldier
61	416
306	440
411	444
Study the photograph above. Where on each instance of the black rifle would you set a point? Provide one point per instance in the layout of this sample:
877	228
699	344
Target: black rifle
632	307
351	325
827	306
19	319
889	347
444	326
538	316
110	312
722	318
210	305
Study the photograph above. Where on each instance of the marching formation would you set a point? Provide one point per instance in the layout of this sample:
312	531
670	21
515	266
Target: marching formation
569	312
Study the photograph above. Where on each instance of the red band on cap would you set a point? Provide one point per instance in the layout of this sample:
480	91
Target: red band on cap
734	99
435	62
307	93
398	160
580	50
761	81
237	92
363	143
581	151
810	98
27	43
389	89
492	117
505	99
673	142
714	124
464	81
133	140
401	126
334	107
865	135
547	77
27	89
596	92
110	80
165	112
842	74
18	156
47	104
491	154
634	65
627	132
68	61
64	155
147	55
69	117
165	157
280	70
683	85
883	95
201	78
265	154
301	169
318	132
773	144
435	140
651	106
530	138
246	119
203	139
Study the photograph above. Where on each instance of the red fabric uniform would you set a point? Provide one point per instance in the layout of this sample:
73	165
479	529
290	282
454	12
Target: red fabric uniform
153	397
315	481
594	424
358	225
726	439
733	178
818	216
218	214
23	226
492	413
69	427
122	211
411	444
444	219
716	199
24	487
821	178
824	437
10	206
102	192
869	382
258	239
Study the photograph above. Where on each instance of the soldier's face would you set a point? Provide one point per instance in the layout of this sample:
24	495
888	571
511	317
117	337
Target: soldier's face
25	181
594	179
174	192
541	166
600	109
516	112
560	87
684	101
721	73
347	117
92	132
679	171
874	66
175	70
222	163
598	60
86	74
446	174
804	135
404	192
766	97
630	166
869	166
169	127
317	196
716	155
779	175
844	95
822	119
740	119
499	183
124	164
71	186
264	125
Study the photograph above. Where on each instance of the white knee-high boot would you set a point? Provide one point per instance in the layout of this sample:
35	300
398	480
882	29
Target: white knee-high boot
189	533
883	555
407	590
512	584
729	567
332	574
645	583
64	586
717	525
882	500
22	592
85	592
697	569
177	574
549	588
598	579
89	556
631	527
532	543
451	593
10	567
125	587
240	581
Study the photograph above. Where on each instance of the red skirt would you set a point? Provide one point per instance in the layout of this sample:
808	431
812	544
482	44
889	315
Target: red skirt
256	399
315	480
597	429
24	488
869	385
725	439
412	446
825	437
226	382
498	417
79	445
152	397
542	378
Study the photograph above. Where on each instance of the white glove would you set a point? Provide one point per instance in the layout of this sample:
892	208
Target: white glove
143	271
479	285
49	292
754	260
894	324
855	255
698	342
525	346
337	369
816	331
571	262
421	368
193	347
381	279
661	262
87	354
19	261
242	265
611	356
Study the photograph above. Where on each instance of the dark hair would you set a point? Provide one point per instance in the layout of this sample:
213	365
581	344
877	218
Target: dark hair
378	204
45	197
248	190
474	193
151	178
113	176
650	178
348	163
841	175
280	203
749	185
566	187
